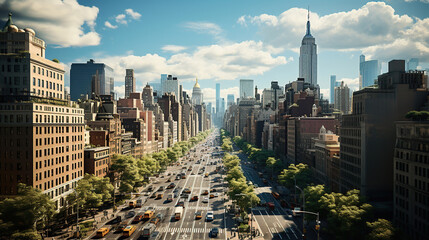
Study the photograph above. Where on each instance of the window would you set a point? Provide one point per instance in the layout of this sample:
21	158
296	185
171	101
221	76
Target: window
34	69
43	83
38	70
38	82
43	71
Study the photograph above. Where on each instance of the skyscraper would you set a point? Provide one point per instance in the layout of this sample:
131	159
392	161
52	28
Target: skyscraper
368	72
230	100
130	82
308	57
412	64
217	96
91	77
170	84
197	94
334	84
342	98
246	88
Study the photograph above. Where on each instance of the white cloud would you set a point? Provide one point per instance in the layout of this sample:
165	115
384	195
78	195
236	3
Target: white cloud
134	15
210	94
325	92
206	28
109	25
120	91
173	48
352	83
242	20
423	1
121	19
218	62
374	28
58	22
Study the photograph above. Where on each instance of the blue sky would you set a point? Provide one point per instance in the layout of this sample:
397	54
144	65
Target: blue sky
223	41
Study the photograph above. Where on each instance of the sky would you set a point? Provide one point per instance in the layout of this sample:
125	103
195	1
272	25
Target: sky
223	41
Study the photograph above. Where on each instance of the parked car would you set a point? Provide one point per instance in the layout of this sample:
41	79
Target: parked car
214	232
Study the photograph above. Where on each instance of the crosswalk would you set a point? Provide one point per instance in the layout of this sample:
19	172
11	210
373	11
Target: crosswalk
188	207
186	230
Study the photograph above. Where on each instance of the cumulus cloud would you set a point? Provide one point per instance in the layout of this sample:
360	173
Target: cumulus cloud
423	1
173	48
218	62
133	14
375	29
121	19
109	25
58	22
352	83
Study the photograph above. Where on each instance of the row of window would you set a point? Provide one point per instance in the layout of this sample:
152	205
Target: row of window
48	141
49	85
58	150
101	172
58	181
412	156
48	94
49	73
15	81
57	119
16	68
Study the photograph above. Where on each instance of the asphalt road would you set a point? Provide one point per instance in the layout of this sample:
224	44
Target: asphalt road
195	165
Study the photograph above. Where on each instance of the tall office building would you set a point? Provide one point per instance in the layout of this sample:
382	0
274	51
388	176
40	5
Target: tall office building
368	72
222	107
197	94
246	89
412	64
308	57
230	100
130	82
342	98
42	140
334	84
89	78
217	97
368	134
170	84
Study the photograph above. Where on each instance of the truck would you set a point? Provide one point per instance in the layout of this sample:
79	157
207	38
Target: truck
178	212
139	203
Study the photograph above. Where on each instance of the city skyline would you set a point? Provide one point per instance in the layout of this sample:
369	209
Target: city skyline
99	30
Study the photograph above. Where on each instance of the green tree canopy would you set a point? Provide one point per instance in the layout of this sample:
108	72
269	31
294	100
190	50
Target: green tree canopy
301	172
381	229
28	212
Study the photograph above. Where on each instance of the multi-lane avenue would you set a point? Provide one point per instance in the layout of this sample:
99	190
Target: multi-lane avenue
195	183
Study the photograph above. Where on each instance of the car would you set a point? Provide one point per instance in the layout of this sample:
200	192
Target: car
131	214
171	185
205	192
180	204
214	232
255	185
177	189
175	194
212	195
186	190
153	195
155	236
213	190
147	193
209	216
138	218
155	220
206	200
198	215
161	188
194	198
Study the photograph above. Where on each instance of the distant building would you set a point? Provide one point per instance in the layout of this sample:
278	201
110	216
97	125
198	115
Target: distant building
170	84
197	94
308	57
342	98
89	78
246	89
230	100
368	72
130	82
326	147
368	136
412	64
217	97
270	97
333	84
411	178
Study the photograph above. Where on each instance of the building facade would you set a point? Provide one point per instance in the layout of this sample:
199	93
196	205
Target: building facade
91	78
308	57
368	72
97	161
130	82
246	89
342	98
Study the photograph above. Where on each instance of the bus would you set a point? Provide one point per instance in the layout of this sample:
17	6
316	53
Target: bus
129	230
102	232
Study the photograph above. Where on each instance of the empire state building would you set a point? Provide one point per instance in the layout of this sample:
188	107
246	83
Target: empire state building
308	57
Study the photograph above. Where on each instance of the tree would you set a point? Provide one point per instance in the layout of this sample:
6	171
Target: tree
26	235
29	211
417	115
128	171
300	172
271	163
313	194
381	229
92	192
235	173
55	60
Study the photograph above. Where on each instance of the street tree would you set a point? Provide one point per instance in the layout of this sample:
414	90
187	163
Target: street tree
381	229
128	171
29	211
300	172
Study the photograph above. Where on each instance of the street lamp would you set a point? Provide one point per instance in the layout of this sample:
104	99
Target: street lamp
303	206
251	212
317	220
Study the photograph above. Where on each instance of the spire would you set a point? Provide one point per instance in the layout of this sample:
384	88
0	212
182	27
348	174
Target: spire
8	23
196	83
308	22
